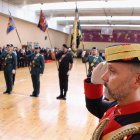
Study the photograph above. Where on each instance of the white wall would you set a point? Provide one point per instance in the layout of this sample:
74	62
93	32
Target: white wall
29	32
28	15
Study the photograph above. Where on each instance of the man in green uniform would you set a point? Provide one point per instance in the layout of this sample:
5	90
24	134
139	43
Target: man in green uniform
9	67
94	59
36	69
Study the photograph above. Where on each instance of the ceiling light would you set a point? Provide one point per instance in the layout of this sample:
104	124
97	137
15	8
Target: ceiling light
99	18
105	25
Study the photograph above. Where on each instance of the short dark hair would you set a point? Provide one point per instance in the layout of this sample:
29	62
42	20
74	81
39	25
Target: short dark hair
65	46
135	66
94	48
7	45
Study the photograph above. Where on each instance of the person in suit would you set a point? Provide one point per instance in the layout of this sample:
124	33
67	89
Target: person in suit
10	64
36	69
65	60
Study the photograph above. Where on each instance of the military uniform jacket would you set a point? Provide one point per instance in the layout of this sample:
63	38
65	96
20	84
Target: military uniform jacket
118	115
10	62
94	60
37	64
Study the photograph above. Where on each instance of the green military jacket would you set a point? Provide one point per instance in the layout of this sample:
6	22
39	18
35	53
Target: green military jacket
94	60
37	64
10	62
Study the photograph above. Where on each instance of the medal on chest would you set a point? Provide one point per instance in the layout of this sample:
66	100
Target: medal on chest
8	57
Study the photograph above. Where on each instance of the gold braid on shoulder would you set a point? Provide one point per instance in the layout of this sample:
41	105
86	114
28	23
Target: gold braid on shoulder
99	129
124	133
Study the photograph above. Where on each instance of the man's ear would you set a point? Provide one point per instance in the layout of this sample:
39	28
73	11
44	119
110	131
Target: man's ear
138	79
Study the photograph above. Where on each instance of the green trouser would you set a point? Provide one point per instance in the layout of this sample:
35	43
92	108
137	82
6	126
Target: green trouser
36	84
9	80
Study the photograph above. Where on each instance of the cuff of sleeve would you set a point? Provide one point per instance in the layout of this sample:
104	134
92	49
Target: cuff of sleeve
93	91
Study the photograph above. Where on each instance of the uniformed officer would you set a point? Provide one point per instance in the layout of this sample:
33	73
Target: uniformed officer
65	65
36	69
9	67
94	59
120	119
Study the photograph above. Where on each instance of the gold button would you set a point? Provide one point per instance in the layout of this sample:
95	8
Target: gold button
104	113
125	138
119	111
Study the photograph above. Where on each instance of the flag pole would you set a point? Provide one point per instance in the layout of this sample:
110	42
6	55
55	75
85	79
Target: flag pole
52	48
18	37
85	62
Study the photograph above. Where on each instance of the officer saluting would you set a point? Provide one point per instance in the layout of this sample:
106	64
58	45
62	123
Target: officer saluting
94	59
36	68
9	67
120	119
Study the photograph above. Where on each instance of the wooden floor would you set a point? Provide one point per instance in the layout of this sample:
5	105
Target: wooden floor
45	118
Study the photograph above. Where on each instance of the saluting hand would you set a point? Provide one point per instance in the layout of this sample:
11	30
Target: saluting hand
97	72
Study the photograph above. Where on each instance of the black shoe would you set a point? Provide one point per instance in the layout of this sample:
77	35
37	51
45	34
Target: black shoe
64	98
34	95
59	97
10	92
5	92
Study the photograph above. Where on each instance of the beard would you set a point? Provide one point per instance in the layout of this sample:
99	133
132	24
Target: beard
121	91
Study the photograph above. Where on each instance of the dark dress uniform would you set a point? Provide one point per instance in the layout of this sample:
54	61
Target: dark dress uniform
117	121
9	65
36	68
64	60
119	116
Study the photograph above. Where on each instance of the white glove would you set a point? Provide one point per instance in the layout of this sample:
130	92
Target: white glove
68	73
13	71
97	72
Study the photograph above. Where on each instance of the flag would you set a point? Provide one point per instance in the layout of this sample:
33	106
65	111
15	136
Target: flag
76	31
11	25
42	24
